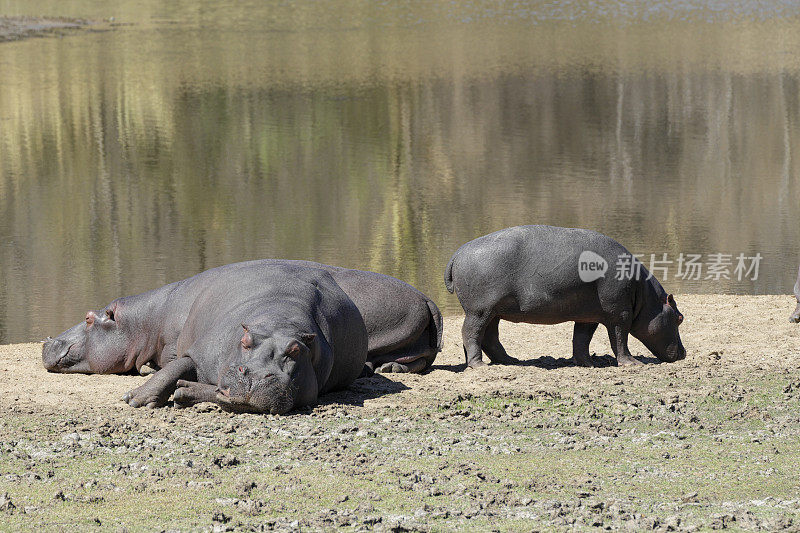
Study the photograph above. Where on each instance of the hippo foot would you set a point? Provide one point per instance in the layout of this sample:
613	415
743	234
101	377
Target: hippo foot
582	362
135	399
505	360
795	319
191	393
141	397
476	364
388	368
627	360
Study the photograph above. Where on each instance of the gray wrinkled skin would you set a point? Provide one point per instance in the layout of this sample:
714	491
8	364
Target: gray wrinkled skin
404	326
796	315
269	340
530	274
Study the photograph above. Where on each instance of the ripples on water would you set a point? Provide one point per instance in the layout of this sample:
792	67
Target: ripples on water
384	135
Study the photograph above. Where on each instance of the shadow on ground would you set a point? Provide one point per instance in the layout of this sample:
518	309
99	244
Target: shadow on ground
547	362
364	389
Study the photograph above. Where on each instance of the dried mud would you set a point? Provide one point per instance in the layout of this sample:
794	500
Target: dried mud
710	442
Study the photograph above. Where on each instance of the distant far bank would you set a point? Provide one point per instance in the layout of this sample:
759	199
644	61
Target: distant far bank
16	28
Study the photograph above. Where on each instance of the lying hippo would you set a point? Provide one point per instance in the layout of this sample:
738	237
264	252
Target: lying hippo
547	275
796	315
404	326
269	340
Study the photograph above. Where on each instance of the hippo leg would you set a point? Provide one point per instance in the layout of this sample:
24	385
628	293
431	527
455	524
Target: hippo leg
491	344
472	334
191	393
416	366
618	336
156	391
581	338
414	358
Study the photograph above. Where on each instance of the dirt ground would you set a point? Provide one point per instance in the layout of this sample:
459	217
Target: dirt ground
15	28
710	442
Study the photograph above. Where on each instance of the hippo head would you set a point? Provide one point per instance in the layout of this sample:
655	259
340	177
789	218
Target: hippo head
99	345
660	332
269	372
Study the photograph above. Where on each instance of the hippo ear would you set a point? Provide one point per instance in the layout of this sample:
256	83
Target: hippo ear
245	327
671	301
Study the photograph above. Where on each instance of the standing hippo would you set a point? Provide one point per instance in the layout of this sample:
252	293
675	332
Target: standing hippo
269	340
404	326
547	275
796	315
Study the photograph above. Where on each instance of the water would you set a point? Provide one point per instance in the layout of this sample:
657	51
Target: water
383	135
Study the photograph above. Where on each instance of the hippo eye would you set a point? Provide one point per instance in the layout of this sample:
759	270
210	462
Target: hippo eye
680	319
110	314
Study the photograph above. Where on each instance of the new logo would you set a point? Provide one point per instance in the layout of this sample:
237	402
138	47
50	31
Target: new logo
591	266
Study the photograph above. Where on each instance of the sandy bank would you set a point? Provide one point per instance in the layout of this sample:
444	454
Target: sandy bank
729	334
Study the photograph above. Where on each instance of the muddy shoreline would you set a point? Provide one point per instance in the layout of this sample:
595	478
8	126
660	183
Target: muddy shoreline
17	28
708	442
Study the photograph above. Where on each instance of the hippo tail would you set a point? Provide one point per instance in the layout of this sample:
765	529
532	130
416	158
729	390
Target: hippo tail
436	329
448	275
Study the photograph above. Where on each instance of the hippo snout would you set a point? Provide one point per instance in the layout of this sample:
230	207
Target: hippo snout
245	389
676	353
54	351
673	353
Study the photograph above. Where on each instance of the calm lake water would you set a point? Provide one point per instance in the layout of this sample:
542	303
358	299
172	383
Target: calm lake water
382	135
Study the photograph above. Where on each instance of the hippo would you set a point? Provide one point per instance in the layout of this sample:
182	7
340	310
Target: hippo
403	324
796	315
548	275
269	340
137	332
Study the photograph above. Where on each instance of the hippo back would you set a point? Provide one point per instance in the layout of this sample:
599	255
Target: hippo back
385	303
